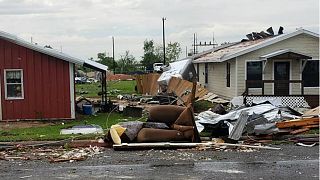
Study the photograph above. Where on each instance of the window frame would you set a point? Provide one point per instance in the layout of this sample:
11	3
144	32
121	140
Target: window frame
6	85
262	74
304	86
206	72
228	74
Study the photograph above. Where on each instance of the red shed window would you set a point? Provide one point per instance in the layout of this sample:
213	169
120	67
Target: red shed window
13	80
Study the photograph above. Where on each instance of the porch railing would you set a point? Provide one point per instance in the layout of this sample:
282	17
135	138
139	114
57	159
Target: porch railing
263	82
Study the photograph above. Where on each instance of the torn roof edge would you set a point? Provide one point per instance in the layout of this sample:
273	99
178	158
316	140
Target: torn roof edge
251	48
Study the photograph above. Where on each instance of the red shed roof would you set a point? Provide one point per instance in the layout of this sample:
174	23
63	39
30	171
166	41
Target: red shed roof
51	52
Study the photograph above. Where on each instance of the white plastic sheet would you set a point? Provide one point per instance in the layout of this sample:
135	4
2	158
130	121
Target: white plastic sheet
180	69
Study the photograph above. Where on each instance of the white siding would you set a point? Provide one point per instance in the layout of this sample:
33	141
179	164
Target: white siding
301	43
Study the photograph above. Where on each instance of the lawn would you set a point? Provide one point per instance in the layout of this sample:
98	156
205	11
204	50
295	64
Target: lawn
113	87
52	132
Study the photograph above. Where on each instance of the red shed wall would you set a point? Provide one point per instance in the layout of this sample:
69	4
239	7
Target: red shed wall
46	82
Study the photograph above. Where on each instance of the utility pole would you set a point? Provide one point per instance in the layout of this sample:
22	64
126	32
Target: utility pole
164	42
194	44
186	51
114	63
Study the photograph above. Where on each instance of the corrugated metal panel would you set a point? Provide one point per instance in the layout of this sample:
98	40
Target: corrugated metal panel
46	84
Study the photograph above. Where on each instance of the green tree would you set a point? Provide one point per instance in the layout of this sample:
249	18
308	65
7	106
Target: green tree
126	63
154	53
106	60
150	55
173	51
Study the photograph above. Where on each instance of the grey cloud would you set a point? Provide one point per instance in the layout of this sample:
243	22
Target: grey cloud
84	27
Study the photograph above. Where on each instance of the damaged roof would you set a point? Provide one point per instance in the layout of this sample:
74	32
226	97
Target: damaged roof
232	50
51	52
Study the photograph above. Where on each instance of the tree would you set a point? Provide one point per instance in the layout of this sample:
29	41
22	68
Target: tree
154	53
106	60
126	63
150	55
173	51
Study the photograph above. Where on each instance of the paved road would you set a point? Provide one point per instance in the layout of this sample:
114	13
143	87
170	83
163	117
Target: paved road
292	162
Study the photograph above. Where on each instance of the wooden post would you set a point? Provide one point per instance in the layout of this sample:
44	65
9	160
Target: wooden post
191	98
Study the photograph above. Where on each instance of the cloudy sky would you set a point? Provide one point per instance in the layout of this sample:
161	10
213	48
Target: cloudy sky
85	27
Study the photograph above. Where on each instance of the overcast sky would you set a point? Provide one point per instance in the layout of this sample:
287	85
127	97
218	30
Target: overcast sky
85	27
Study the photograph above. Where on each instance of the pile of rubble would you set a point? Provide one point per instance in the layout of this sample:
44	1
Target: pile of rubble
259	121
52	154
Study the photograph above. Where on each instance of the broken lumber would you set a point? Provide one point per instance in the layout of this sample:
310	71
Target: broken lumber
298	123
299	131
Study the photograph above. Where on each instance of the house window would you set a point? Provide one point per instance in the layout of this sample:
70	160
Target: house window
13	79
228	74
310	75
206	73
254	73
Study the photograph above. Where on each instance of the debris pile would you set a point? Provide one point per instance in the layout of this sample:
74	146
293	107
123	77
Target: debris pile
260	120
52	154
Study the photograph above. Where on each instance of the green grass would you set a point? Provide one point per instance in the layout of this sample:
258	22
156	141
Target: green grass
202	105
123	87
52	132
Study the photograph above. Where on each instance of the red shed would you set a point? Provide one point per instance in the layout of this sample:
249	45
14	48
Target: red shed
36	82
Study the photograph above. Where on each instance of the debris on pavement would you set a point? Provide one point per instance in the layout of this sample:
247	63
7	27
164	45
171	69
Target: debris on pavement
83	129
53	154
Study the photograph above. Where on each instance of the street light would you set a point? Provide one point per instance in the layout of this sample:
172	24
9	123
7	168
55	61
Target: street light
163	39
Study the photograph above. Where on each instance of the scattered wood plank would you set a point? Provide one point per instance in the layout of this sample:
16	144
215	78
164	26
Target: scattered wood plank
312	126
298	123
147	83
297	131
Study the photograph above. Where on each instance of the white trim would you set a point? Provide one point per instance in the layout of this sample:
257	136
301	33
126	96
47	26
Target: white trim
38	48
51	52
282	51
301	71
245	72
226	73
290	73
269	42
72	101
96	64
236	77
5	85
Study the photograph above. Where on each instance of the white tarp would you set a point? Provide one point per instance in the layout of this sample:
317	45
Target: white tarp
180	69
